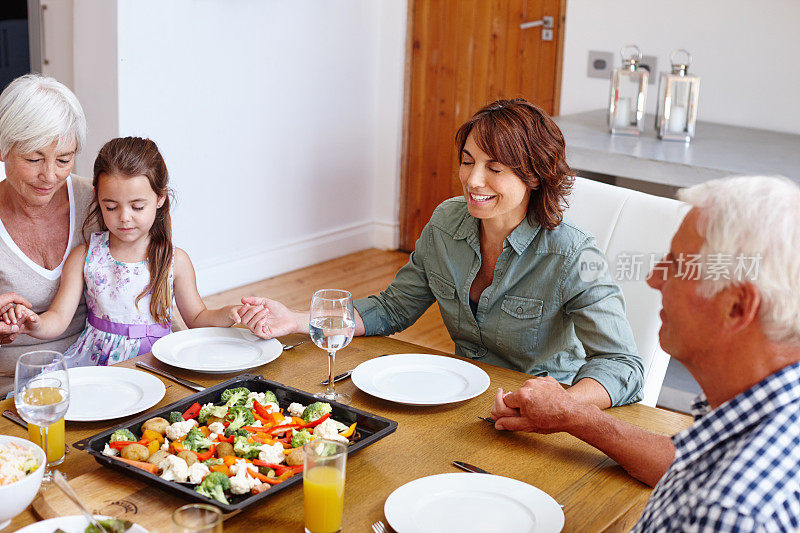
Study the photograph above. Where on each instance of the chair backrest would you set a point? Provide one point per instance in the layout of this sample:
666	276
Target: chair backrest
632	228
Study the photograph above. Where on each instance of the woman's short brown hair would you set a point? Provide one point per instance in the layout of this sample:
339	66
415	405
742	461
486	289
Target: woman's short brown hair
524	138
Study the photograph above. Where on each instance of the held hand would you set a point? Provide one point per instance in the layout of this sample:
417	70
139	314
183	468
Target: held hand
500	409
28	320
267	318
10	300
543	405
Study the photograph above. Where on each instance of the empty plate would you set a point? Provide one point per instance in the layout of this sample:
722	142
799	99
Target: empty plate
472	503
107	392
420	379
216	350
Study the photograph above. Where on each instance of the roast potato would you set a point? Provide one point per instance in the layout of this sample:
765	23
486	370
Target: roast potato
224	449
135	452
157	457
188	456
157	424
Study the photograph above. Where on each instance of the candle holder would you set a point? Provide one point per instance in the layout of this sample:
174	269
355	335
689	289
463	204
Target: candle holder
678	92
628	93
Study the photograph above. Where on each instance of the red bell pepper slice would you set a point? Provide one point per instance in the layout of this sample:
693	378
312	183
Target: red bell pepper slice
207	454
192	411
316	422
119	444
280	429
223	438
261	410
279	469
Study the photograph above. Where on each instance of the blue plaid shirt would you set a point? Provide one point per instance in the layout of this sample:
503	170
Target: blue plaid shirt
738	467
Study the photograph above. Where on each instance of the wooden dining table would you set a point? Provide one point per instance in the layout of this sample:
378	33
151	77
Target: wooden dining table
596	493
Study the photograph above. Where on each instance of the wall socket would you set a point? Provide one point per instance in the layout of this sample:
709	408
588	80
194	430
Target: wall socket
600	64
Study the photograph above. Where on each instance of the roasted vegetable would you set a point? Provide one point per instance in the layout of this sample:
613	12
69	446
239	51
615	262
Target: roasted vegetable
225	449
248	450
110	525
175	416
188	456
122	435
214	486
135	452
157	424
218	412
315	411
239	416
235	396
195	441
300	438
157	457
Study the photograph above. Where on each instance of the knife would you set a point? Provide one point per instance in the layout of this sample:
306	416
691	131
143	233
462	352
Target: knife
14	417
185	382
469	468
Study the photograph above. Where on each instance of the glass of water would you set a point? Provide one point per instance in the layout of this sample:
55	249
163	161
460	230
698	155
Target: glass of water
41	395
332	324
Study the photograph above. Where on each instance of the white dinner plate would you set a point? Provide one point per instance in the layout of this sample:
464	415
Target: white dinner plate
420	379
216	350
106	392
70	524
472	503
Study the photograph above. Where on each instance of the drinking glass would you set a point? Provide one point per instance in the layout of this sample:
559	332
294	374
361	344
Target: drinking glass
41	395
332	324
197	518
323	485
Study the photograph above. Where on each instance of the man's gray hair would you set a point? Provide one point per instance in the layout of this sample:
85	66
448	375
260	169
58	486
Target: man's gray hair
36	110
756	220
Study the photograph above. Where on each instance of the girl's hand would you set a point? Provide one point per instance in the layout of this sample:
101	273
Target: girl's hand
9	300
28	320
267	318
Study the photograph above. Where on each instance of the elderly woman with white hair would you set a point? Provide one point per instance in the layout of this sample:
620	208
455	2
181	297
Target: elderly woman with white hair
42	207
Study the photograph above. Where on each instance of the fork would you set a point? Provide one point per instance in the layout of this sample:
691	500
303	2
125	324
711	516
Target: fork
290	346
379	527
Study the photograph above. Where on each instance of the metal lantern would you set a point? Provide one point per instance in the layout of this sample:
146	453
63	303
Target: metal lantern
677	100
628	93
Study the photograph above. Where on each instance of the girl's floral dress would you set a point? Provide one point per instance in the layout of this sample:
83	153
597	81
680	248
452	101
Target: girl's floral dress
111	289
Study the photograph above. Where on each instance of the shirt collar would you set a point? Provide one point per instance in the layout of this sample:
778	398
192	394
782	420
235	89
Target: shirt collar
519	239
738	414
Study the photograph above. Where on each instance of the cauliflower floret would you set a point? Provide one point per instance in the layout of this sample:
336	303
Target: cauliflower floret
111	452
212	437
179	429
259	397
296	409
257	424
197	472
242	482
272	407
173	468
271	453
216	427
165	446
329	430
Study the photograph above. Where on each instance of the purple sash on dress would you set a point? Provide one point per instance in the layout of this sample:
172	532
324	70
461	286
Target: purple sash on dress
146	333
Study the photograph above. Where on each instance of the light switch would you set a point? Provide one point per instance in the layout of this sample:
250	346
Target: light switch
600	64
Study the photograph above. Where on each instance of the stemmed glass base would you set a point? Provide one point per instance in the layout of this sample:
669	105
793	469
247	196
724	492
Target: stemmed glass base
334	396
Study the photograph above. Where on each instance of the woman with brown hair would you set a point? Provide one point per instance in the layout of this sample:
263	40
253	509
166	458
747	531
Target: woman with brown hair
504	267
130	270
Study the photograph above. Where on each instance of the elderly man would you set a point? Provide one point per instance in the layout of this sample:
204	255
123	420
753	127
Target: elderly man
737	468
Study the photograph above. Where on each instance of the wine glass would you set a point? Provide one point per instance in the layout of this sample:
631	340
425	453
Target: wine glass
41	394
332	324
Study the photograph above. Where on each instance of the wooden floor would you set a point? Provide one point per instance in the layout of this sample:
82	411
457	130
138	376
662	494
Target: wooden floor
362	273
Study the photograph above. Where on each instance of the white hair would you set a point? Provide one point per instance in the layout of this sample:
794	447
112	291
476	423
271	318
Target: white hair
36	110
755	219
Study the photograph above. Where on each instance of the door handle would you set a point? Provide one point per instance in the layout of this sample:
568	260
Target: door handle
547	27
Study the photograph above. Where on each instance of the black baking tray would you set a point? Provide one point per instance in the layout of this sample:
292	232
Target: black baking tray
369	429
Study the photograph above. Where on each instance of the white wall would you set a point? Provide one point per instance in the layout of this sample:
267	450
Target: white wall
279	123
745	53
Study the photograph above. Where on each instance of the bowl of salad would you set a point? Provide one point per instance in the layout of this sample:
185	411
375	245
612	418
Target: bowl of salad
21	469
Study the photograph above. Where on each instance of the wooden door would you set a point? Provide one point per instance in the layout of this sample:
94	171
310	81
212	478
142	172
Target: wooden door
463	55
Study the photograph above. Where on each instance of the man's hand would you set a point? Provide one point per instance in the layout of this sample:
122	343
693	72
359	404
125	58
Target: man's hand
541	405
268	318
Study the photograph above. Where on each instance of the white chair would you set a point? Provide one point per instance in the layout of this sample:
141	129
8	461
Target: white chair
630	224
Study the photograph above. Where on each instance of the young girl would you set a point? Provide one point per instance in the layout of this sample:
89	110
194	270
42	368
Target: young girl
130	271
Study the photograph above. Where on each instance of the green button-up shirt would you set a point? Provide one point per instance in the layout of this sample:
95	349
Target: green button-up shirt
551	308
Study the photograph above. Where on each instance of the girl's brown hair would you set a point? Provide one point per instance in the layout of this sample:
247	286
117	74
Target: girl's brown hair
134	156
524	138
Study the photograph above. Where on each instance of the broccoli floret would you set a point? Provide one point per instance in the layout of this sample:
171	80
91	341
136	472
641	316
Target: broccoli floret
235	396
195	441
110	525
175	416
300	438
214	486
213	462
248	450
316	410
239	416
211	410
123	435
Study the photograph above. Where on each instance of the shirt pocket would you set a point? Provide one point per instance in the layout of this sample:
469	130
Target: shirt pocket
519	325
446	297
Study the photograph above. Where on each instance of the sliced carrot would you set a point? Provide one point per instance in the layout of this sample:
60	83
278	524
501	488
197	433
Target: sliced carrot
229	460
221	468
153	469
205	431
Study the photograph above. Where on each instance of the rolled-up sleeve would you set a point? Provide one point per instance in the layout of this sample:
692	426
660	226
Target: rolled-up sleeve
596	307
404	300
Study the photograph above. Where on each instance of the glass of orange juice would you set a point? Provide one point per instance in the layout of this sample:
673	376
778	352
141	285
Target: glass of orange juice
323	485
55	441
